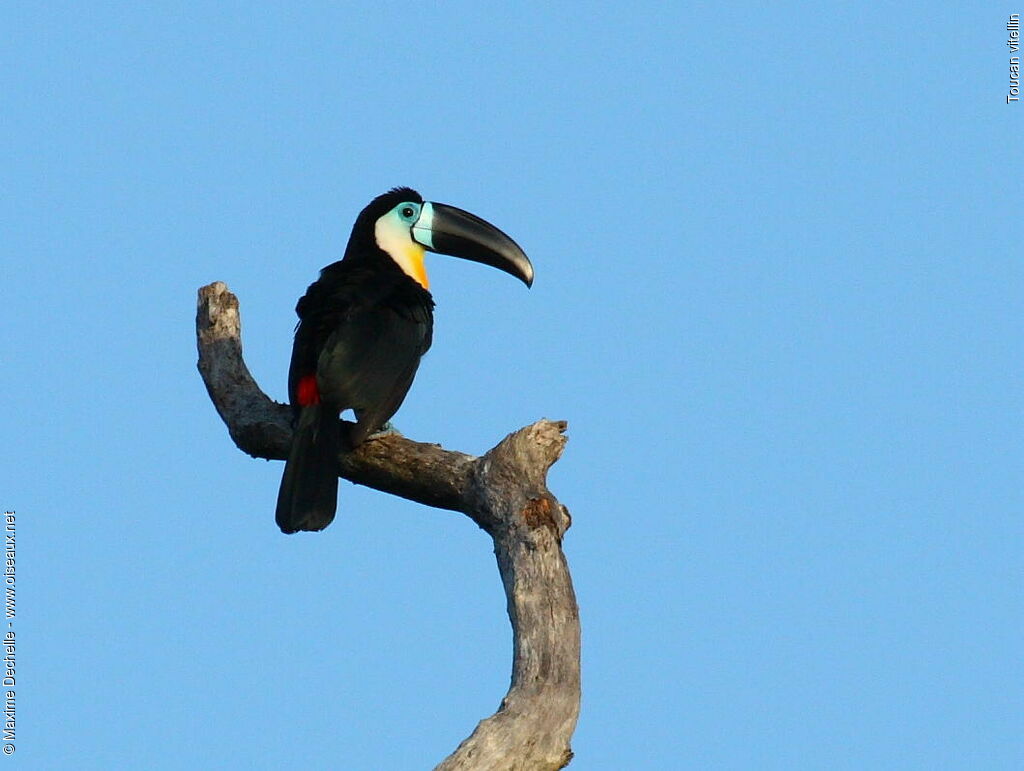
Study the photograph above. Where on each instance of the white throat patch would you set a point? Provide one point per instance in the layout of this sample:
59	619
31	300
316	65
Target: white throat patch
393	236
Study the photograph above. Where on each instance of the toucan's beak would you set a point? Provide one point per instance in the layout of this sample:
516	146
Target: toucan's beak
447	230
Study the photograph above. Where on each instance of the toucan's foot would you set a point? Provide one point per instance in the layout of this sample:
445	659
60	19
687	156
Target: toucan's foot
388	429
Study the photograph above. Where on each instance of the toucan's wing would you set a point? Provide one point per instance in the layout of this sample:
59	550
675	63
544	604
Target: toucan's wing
362	334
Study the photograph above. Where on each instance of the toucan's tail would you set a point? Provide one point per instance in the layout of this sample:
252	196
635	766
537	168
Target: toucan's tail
309	488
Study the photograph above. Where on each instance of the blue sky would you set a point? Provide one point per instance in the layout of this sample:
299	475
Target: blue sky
778	300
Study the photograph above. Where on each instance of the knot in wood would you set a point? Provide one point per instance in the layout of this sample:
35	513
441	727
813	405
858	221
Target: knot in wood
538	512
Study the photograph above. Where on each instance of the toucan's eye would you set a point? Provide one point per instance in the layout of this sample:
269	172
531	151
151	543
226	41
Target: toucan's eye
408	211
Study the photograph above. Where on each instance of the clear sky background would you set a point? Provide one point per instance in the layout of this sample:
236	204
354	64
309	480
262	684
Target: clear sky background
778	299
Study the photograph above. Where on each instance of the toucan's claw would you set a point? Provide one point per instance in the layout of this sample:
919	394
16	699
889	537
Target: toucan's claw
388	429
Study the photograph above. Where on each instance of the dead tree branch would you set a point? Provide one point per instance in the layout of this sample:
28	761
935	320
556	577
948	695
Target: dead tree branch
504	492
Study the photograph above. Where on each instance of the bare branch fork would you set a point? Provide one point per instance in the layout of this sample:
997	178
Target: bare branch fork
504	492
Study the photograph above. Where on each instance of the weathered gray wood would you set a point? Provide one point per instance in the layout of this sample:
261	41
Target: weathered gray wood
504	492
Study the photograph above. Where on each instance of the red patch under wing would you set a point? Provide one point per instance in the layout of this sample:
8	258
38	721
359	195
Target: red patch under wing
307	392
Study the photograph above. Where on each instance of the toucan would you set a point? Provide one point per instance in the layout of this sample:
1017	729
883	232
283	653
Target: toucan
363	326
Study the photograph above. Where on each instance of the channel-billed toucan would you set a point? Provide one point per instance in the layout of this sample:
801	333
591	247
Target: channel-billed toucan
363	326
